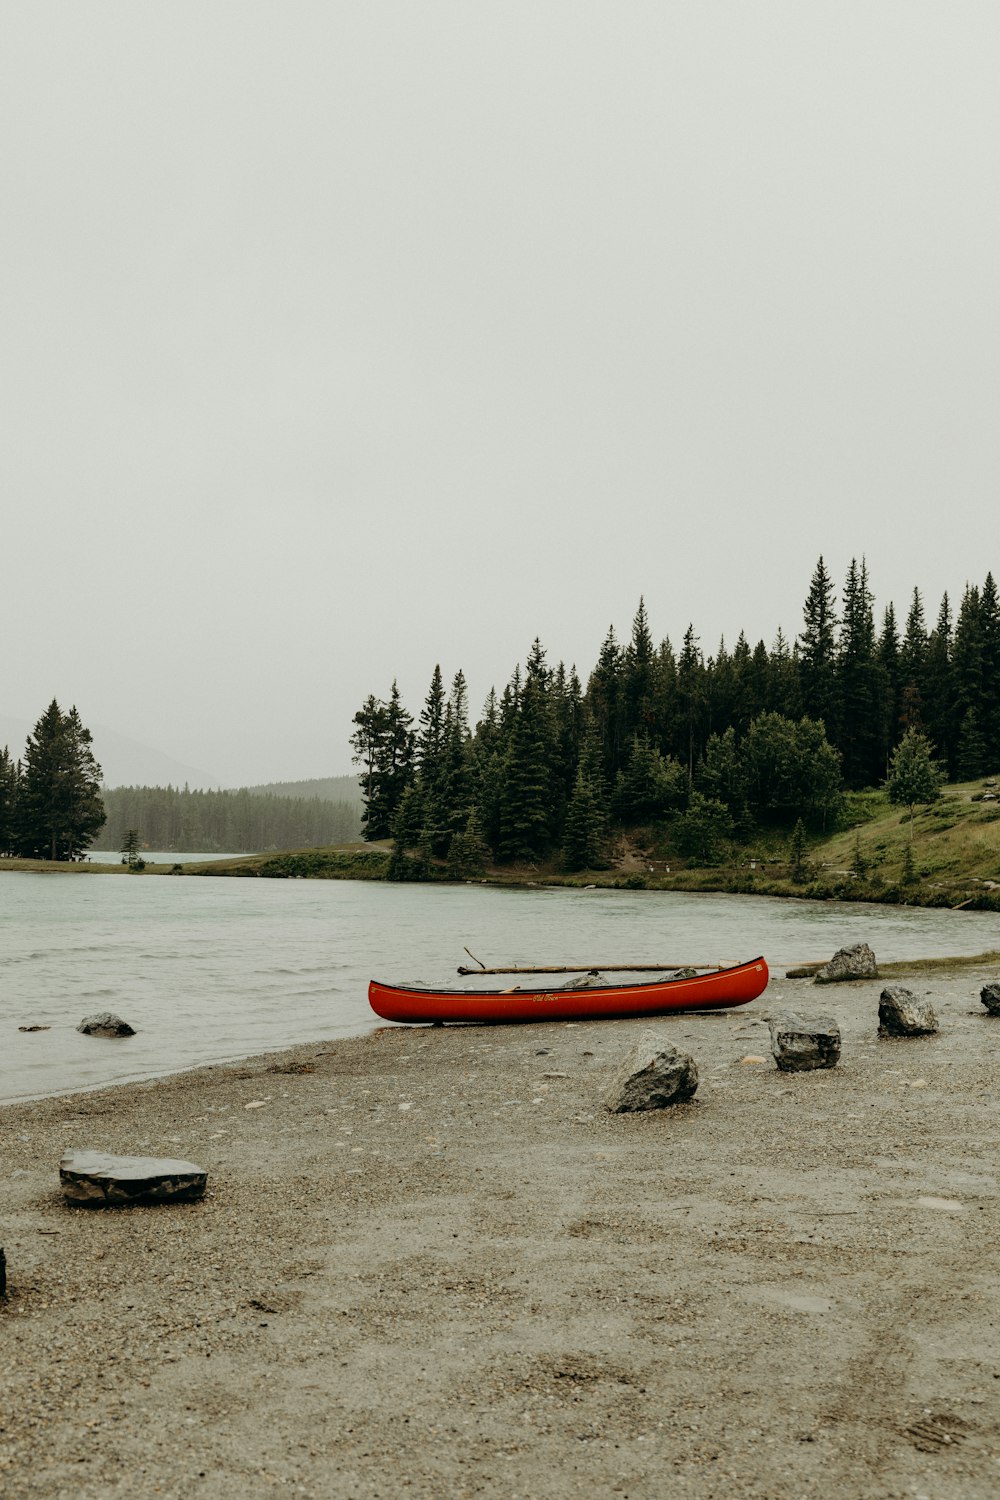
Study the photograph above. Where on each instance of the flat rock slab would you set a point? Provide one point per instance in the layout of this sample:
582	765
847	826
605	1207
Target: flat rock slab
849	963
105	1024
990	996
95	1179
902	1013
799	1046
653	1075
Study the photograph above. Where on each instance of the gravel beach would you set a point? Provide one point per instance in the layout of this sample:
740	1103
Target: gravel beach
430	1263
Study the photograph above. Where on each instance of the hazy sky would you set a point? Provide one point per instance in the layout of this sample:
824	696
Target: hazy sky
343	339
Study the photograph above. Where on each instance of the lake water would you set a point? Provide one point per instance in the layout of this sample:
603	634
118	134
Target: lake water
208	970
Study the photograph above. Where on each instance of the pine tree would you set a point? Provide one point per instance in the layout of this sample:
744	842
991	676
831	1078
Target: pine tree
938	689
760	680
410	858
969	695
817	651
912	667
889	689
665	706
785	688
604	700
130	848
744	707
989	624
396	766
638	713
526	813
10	775
435	734
972	752
585	828
690	699
796	850
383	745
649	786
722	775
456	779
567	717
59	807
469	853
857	681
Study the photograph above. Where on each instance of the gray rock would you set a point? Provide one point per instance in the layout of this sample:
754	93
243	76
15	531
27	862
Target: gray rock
591	981
105	1024
95	1179
901	1013
654	1075
800	1045
849	963
990	996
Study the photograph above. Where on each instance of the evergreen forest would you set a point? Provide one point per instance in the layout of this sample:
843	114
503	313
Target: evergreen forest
232	822
700	748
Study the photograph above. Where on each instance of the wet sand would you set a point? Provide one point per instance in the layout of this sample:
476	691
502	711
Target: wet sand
430	1263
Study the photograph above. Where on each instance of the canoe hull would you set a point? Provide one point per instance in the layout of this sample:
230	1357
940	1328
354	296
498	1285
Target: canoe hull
713	991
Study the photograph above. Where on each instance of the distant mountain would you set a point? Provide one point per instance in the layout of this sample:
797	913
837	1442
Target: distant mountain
328	788
123	761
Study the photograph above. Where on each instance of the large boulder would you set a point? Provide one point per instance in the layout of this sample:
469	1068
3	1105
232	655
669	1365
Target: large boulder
902	1013
95	1179
990	996
800	1045
654	1075
849	963
105	1024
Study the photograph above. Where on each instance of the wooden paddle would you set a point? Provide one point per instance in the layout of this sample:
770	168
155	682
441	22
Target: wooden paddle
585	968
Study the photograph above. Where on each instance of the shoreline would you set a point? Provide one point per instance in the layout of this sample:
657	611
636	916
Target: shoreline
890	970
432	1251
369	863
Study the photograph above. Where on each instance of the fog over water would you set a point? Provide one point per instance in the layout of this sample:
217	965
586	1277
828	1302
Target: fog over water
210	969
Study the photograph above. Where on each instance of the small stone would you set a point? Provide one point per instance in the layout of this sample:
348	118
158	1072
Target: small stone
901	1013
849	963
990	996
105	1024
799	1045
652	1076
96	1179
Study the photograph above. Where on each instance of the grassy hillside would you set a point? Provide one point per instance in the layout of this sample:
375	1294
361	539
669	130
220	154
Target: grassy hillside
956	848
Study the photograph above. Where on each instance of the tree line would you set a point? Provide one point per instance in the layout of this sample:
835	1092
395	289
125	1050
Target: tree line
232	822
706	746
50	799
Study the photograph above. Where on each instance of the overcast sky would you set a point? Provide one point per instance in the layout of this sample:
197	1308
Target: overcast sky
341	339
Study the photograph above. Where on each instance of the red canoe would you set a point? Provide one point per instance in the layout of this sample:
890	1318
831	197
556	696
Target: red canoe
712	991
